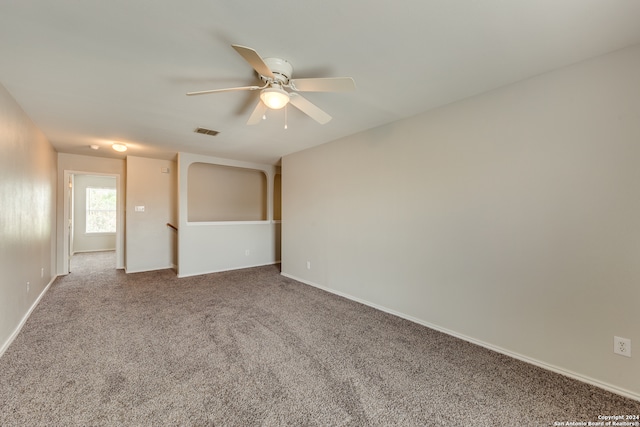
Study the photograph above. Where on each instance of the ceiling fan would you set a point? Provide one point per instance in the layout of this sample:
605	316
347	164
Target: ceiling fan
276	74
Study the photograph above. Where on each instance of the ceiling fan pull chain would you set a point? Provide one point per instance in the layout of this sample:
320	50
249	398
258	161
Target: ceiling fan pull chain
285	117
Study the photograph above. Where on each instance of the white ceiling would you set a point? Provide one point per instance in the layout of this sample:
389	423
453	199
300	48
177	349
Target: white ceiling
95	72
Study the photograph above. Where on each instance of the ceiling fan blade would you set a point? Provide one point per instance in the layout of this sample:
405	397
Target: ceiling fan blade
257	114
255	60
327	84
304	105
229	89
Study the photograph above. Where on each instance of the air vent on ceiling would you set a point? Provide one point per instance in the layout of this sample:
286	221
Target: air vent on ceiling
206	131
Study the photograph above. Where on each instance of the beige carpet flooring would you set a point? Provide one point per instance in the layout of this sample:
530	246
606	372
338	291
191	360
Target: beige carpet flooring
253	348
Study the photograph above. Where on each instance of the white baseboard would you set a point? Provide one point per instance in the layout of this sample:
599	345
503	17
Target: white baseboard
15	333
567	373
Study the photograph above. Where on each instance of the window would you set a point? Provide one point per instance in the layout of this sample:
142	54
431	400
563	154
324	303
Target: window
101	210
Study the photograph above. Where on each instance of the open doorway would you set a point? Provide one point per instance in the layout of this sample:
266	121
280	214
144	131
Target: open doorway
93	216
83	263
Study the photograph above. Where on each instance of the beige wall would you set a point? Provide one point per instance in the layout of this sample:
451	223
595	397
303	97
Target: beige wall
27	216
150	243
510	219
224	193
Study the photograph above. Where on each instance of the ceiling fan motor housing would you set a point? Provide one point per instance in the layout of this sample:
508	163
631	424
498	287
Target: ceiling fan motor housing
280	68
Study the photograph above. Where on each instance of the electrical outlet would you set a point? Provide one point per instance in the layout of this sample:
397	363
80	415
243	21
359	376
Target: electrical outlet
28	286
622	346
247	252
308	265
42	272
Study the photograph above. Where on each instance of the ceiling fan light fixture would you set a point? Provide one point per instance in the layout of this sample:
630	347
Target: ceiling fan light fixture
119	147
274	97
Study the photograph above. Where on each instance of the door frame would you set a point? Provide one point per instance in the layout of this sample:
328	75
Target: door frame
67	217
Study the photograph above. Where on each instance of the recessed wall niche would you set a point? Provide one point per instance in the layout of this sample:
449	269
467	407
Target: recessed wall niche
225	193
